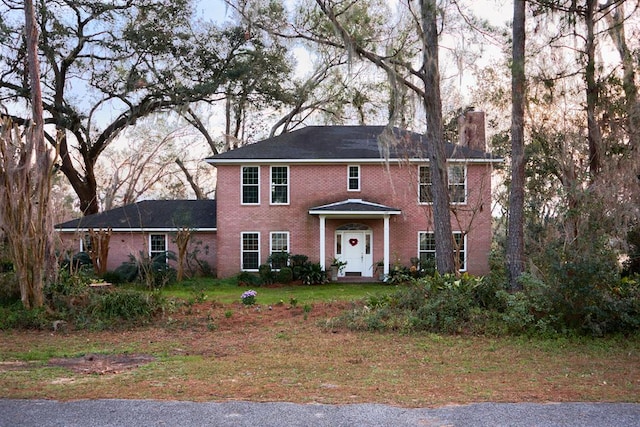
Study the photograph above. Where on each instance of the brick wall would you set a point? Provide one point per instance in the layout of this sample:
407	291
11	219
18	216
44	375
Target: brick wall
394	185
122	244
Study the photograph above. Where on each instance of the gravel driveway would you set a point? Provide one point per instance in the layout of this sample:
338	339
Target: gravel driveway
139	413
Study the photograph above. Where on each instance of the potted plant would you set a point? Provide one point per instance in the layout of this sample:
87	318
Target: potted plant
336	267
379	270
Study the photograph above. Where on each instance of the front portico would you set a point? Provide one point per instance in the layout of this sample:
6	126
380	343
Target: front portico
354	241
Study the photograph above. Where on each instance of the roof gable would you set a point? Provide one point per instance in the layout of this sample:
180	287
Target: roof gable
344	143
149	215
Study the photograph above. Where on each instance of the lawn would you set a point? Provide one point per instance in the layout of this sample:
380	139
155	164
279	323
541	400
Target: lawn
216	349
228	291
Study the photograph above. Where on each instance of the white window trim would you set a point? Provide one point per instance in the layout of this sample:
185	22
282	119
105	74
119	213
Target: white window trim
166	243
466	186
287	233
82	242
242	185
465	249
420	185
279	232
242	234
271	185
349	177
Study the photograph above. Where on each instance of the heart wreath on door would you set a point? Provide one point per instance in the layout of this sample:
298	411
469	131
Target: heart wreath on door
353	242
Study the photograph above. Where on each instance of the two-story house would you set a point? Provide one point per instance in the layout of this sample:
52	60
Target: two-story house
360	194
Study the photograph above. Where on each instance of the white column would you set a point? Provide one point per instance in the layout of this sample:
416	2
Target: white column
323	242
386	246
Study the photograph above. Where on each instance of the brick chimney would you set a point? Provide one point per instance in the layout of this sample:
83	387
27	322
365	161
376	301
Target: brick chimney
471	130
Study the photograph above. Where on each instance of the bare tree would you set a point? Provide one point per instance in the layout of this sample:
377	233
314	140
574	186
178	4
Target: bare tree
25	185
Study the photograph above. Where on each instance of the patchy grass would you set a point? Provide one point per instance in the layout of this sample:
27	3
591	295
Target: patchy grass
227	291
285	354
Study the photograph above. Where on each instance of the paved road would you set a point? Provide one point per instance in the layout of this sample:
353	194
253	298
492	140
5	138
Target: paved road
140	413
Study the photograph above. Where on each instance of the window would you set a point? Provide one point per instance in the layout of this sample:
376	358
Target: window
460	246
427	248
250	185
457	184
158	246
85	243
279	245
353	183
425	184
279	185
250	251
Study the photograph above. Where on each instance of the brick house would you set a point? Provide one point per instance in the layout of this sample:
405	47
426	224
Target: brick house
149	227
359	194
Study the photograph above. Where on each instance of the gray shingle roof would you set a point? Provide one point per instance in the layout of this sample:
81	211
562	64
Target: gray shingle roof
344	143
150	214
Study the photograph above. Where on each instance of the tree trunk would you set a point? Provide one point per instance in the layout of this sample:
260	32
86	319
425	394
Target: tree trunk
430	75
182	240
594	133
25	175
515	233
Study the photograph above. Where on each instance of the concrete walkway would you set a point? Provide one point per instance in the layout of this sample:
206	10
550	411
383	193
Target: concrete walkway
140	413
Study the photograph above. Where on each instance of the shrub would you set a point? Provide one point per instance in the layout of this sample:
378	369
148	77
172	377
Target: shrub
79	261
246	278
313	274
113	277
278	260
297	265
9	289
435	304
126	305
285	275
154	272
266	274
15	316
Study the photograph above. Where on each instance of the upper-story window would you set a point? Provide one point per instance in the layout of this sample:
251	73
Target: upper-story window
353	182
250	185
279	185
457	184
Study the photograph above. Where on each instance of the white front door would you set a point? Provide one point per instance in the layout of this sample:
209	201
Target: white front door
356	252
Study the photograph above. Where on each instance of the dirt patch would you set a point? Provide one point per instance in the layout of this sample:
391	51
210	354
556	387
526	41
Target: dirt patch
102	363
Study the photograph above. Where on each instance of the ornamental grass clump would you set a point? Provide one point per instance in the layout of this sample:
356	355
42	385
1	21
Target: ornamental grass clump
249	297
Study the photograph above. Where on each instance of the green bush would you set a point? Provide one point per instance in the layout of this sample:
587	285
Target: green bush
285	275
113	277
297	263
9	289
278	260
313	274
246	278
267	276
126	305
444	304
79	261
15	316
154	273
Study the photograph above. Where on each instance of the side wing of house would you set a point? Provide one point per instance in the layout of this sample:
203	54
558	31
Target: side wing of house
147	229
